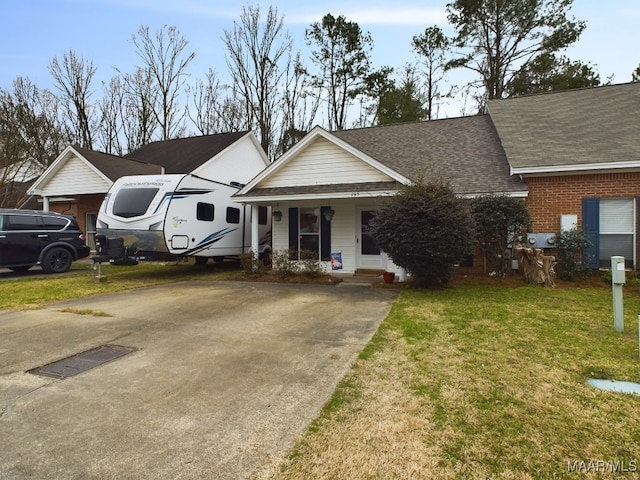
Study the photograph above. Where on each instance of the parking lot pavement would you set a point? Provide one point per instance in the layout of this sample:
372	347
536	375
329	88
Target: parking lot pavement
223	378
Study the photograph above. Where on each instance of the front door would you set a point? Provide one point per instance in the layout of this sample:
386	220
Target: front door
368	255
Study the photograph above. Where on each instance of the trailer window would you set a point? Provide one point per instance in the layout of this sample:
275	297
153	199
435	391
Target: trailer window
133	202
205	212
233	215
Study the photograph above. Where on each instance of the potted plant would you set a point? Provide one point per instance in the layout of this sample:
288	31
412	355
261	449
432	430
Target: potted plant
388	277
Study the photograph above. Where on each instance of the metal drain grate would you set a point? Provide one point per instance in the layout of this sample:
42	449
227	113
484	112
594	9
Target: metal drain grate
70	366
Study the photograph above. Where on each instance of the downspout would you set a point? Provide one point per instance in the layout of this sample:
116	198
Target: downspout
45	204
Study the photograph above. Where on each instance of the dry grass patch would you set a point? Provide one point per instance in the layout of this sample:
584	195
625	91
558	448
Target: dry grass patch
483	382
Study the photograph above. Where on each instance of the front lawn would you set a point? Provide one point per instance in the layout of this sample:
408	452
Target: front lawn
485	381
33	289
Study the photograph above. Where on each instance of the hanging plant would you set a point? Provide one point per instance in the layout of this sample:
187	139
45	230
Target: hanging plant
328	214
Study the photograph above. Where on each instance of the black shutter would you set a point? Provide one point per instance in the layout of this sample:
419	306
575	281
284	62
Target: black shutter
591	229
325	235
293	229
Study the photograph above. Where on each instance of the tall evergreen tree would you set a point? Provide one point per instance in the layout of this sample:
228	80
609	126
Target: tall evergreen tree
495	38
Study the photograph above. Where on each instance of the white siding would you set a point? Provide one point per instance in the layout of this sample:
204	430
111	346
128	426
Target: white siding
323	163
75	177
239	163
343	230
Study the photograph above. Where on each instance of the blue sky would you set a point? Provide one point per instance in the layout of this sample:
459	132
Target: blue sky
35	31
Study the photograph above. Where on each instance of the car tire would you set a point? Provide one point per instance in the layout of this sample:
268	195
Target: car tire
57	260
22	268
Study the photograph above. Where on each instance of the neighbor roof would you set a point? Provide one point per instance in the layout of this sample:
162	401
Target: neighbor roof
183	155
571	130
464	151
114	167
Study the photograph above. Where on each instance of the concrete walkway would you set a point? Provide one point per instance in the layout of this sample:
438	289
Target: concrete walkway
224	378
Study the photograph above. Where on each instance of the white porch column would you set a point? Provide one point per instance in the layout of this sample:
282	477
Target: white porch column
255	231
45	204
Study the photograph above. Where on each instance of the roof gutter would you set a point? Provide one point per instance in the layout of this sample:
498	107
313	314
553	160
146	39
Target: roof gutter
601	167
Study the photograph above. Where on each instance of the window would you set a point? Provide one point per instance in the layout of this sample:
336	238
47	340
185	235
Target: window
609	224
233	215
310	229
24	222
616	230
133	202
205	211
54	223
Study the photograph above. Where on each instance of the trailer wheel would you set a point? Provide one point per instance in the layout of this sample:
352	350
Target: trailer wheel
201	260
218	259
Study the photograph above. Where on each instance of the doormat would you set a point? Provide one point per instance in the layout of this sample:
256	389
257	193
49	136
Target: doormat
368	272
81	362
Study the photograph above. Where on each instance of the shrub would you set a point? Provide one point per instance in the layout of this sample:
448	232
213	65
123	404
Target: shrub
293	262
284	262
499	221
251	262
571	244
425	229
310	264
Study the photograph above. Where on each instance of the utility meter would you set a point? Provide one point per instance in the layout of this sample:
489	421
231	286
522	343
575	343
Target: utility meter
617	271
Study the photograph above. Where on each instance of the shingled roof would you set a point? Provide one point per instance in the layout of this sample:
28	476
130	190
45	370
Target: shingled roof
464	151
114	167
183	155
571	130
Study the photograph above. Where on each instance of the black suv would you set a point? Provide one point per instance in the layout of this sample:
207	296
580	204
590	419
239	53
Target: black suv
51	239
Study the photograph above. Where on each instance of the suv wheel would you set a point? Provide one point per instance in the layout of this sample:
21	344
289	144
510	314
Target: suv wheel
57	260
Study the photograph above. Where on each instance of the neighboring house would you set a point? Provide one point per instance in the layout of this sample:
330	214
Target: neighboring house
350	172
579	153
77	181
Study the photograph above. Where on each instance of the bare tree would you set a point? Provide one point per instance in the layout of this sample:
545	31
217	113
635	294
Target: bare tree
205	96
73	76
109	129
301	101
139	121
166	59
255	50
31	137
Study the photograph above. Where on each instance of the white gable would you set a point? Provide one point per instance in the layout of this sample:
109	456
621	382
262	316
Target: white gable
323	163
239	162
75	177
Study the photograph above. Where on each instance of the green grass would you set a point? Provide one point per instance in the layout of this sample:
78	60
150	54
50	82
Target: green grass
484	382
28	291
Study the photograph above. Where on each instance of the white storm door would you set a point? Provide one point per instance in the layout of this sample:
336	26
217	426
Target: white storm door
368	255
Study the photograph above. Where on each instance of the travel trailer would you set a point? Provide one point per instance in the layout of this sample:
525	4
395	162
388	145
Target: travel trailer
148	217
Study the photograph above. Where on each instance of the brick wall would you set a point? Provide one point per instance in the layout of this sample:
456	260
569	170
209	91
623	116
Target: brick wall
550	197
82	205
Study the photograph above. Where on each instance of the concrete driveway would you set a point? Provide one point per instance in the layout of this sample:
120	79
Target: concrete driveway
224	378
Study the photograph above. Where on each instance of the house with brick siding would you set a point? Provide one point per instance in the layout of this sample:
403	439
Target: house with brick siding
325	191
573	155
579	153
